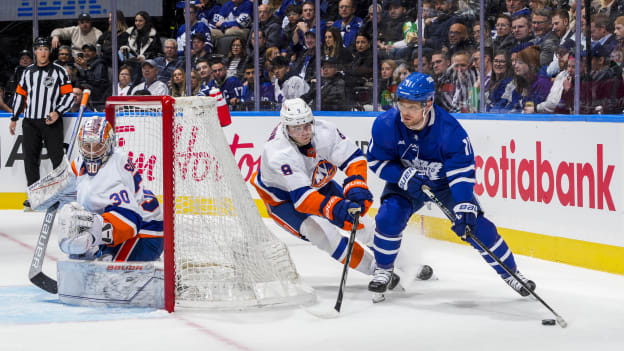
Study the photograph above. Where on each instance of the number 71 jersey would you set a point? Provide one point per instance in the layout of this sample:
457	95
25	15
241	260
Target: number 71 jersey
116	192
441	152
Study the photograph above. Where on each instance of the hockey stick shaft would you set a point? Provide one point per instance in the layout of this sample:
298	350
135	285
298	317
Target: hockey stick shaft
345	269
35	272
451	217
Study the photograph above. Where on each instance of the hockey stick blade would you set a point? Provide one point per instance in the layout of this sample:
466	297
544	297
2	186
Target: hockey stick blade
35	274
343	280
447	212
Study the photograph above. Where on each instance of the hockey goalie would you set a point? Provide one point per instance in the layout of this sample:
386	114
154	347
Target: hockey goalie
115	219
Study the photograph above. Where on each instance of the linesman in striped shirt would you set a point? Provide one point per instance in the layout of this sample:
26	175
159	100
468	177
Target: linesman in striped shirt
44	93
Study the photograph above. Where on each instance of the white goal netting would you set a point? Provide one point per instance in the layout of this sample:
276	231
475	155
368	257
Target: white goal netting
224	255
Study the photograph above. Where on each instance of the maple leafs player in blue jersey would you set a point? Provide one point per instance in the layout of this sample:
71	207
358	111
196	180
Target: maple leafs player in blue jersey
417	143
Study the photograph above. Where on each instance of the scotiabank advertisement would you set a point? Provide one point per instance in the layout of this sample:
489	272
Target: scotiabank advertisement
559	178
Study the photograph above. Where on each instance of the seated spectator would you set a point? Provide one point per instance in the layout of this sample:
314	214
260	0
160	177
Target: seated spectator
359	72
3	105
475	93
333	47
553	101
458	39
106	39
392	23
526	86
92	72
600	35
427	64
235	60
283	9
293	13
168	63
199	50
504	39
79	35
269	55
72	72
231	88
599	92
348	23
609	8
261	46
368	25
235	18
333	94
196	27
124	82
517	8
545	38
178	83
522	30
25	60
267	92
77	91
143	41
441	63
64	56
287	85
453	91
305	64
502	74
476	34
436	30
208	12
149	70
195	83
205	73
387	85
306	25
271	26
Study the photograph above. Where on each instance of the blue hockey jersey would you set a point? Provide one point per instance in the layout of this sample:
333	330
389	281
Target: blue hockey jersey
236	16
441	152
231	88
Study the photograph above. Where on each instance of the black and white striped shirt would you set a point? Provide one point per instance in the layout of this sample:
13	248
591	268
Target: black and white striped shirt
43	90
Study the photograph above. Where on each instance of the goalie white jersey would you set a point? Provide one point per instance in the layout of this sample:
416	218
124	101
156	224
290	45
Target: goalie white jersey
116	193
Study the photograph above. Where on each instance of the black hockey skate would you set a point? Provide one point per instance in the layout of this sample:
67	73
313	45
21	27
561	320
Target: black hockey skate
517	286
383	279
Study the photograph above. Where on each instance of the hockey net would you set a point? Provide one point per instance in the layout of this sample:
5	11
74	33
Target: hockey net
218	251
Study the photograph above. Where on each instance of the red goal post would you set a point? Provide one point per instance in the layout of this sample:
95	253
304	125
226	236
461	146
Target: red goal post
218	252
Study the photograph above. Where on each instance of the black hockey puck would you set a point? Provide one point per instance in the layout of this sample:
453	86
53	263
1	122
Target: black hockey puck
548	322
425	273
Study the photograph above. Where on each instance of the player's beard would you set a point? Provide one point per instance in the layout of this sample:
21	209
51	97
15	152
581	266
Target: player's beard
417	124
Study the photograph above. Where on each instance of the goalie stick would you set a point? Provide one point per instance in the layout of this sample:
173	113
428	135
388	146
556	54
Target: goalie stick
343	280
562	323
35	273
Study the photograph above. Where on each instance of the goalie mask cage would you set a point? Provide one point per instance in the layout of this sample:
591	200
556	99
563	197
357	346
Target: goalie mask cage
218	252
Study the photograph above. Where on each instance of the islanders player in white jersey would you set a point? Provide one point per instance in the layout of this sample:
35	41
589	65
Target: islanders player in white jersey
115	217
418	143
295	181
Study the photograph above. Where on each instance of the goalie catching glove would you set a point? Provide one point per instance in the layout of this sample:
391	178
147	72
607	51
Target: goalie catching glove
356	190
340	211
466	217
81	230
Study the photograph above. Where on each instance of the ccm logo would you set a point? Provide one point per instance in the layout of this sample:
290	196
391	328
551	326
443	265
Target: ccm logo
124	268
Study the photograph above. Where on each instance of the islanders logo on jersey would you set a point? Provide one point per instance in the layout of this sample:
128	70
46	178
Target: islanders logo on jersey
323	174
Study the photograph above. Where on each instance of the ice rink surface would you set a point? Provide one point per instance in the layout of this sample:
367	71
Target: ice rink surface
466	307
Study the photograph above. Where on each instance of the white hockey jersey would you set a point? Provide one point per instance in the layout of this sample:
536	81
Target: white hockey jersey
116	192
287	174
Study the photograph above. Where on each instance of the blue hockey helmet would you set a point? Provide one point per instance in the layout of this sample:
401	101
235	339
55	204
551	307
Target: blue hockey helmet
417	87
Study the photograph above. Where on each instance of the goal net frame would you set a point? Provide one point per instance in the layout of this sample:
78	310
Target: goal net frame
290	292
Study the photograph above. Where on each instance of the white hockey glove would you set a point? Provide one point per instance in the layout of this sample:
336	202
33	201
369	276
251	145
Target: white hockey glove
81	230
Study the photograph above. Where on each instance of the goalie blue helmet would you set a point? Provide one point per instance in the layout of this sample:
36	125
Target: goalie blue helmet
417	87
96	140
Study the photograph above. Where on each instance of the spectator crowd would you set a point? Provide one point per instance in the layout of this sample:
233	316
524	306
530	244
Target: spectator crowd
528	54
